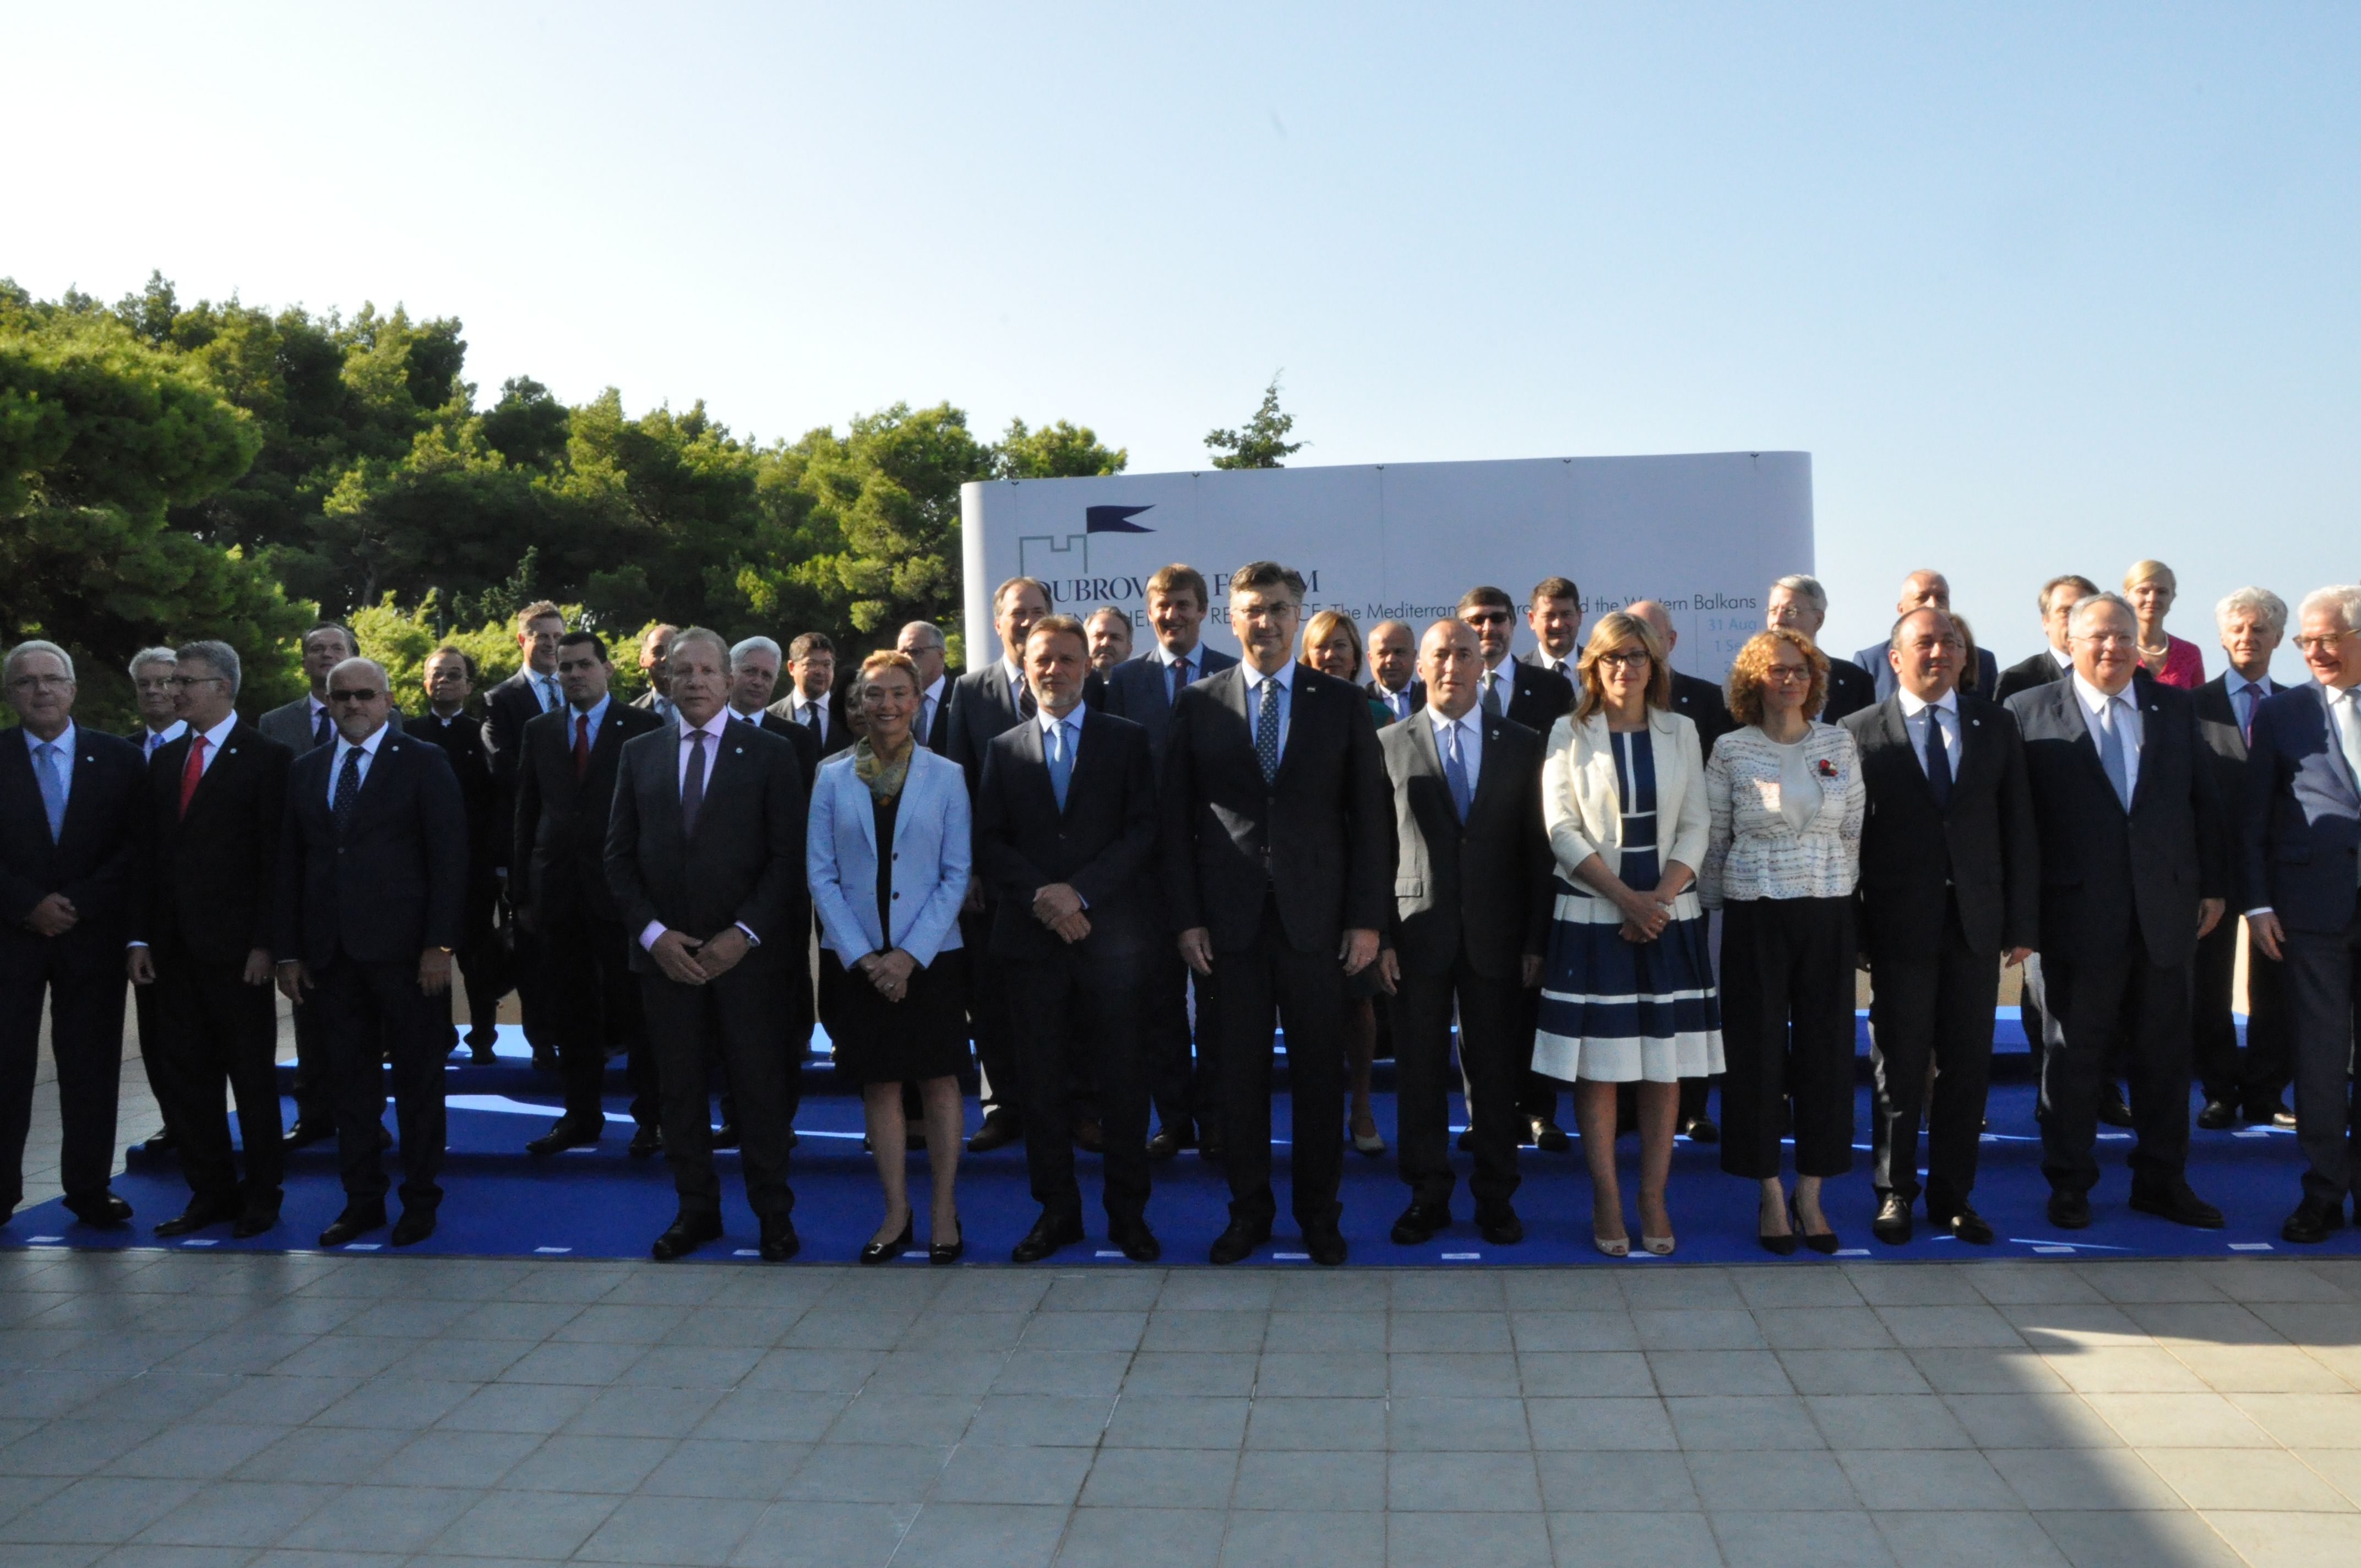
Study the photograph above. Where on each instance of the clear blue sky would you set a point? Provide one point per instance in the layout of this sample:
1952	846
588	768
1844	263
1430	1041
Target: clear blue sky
2040	288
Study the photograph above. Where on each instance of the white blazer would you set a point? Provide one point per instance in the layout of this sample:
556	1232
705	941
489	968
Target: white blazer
931	859
1582	802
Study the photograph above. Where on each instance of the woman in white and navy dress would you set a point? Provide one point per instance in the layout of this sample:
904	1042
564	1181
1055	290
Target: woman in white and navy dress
1628	994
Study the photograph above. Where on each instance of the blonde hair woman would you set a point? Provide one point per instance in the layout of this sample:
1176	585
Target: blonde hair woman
1626	990
2152	588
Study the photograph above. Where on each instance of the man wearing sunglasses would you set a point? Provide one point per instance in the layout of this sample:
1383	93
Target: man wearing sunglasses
372	891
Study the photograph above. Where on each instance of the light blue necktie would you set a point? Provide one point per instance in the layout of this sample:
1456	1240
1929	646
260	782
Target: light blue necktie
2111	752
53	788
1061	762
1454	771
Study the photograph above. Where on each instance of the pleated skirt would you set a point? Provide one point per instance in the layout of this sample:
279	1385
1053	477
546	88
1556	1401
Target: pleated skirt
1618	1012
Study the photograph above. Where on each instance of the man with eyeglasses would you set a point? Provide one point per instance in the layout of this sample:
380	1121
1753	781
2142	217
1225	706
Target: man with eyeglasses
152	692
1799	604
2299	861
371	902
1510	688
2132	872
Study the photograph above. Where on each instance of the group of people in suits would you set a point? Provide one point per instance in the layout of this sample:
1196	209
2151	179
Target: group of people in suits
1114	877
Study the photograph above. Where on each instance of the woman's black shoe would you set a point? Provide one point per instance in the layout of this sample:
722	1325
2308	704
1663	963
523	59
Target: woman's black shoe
887	1252
1822	1241
950	1251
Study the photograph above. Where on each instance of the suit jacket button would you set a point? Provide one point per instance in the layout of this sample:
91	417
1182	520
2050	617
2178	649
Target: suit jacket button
898	895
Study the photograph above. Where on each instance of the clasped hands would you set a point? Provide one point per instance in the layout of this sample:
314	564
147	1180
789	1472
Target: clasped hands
684	959
1059	907
1645	915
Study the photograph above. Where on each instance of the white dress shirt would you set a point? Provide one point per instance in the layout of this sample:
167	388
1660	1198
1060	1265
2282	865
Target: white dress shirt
1946	712
812	715
367	750
1505	672
546	691
2128	728
213	744
1470	726
1285	682
154	741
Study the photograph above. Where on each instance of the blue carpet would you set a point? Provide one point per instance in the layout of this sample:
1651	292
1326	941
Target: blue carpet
600	1203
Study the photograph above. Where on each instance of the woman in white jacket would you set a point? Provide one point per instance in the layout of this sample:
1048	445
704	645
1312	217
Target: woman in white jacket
1786	798
1626	992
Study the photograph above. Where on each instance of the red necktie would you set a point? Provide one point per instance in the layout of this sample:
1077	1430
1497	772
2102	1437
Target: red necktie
191	771
581	745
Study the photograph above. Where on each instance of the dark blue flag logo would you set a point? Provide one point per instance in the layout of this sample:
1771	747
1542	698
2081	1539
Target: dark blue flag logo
1116	520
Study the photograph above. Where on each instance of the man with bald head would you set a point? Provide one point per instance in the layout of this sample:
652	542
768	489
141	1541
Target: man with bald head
1393	670
1925	589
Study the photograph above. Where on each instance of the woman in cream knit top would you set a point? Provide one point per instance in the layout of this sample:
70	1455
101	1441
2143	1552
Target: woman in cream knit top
1786	820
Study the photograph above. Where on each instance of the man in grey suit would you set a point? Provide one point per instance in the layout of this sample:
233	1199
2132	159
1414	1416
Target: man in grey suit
1142	690
1470	924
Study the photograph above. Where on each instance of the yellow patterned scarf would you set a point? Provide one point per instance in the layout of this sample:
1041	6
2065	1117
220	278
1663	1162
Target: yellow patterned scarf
883	778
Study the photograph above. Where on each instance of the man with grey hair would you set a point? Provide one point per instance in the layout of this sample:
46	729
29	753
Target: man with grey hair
754	665
69	795
924	642
2241	1085
2300	844
152	689
1109	629
1799	604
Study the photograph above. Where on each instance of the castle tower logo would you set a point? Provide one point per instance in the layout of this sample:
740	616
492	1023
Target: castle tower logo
1051	557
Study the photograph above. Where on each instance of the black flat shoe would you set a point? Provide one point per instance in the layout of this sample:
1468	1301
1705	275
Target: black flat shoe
1326	1247
356	1221
1050	1233
2179	1204
1419	1222
647	1141
1891	1225
1701	1130
1139	1242
564	1134
725	1136
252	1222
999	1130
2113	1111
2217	1115
1169	1142
2069	1211
414	1226
195	1217
2312	1221
1500	1227
1237	1242
1970	1226
951	1251
102	1211
780	1242
1821	1242
887	1252
685	1236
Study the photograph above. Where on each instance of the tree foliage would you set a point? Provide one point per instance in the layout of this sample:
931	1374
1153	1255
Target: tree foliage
1262	443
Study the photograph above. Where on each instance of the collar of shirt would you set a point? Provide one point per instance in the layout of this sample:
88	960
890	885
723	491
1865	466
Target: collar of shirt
1545	660
1469	724
2232	683
65	742
1073	723
714	727
1285	678
155	741
2063	660
1016	676
1166	658
1913	706
2094	700
367	749
215	737
754	718
312	708
595	713
935	692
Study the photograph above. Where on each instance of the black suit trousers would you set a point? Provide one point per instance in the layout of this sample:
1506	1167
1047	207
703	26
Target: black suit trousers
737	1018
1082	1003
312	1094
151	1036
1786	1031
1932	1014
1491	1058
85	1041
988	1014
217	1032
2261	1072
2089	1005
595	1014
373	1018
1252	990
1181	1079
2323	970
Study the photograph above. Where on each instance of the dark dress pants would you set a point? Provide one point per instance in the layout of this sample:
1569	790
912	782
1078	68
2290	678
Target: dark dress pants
1182	1075
1252	990
2089	1003
312	1089
85	1041
737	1016
2259	1073
151	1038
375	1020
1932	1014
483	966
988	1015
2324	973
1787	1034
1491	1056
216	1034
595	1014
1087	1004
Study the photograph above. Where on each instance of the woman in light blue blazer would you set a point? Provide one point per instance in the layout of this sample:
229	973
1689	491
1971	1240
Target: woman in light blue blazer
887	921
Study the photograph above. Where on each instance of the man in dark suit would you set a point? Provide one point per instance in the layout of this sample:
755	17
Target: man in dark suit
1187	1096
1066	835
1925	589
1278	867
370	903
2241	1085
1110	633
754	676
1470	924
450	677
1521	693
1799	604
2053	663
923	641
1393	669
2133	873
508	708
565	772
160	725
812	700
209	829
69	803
705	858
655	644
1950	881
1553	614
2300	845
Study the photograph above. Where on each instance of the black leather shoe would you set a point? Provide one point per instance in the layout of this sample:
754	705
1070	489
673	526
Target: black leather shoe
685	1236
2312	1221
2179	1204
1209	1145
1090	1135
160	1141
1964	1221
2069	1211
357	1221
2112	1109
2217	1115
1500	1226
564	1134
647	1140
1238	1241
999	1130
544	1059
885	1251
102	1210
1327	1246
1417	1225
303	1134
1547	1136
725	1136
947	1252
1891	1225
1050	1233
1467	1141
1700	1130
780	1242
417	1223
1169	1142
252	1222
1138	1242
2269	1113
480	1052
195	1217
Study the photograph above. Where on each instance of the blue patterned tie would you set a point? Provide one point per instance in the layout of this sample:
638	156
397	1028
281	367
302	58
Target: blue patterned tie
53	788
348	789
1454	771
2111	752
1266	729
1061	764
548	695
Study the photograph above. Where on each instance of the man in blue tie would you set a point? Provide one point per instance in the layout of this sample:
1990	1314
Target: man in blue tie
2132	872
1393	670
68	799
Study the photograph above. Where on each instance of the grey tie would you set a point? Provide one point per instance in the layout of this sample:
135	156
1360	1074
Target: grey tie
1492	693
2111	752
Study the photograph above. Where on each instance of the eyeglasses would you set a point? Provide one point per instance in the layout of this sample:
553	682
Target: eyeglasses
363	695
184	682
40	683
1629	659
1486	617
1787	673
2322	644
